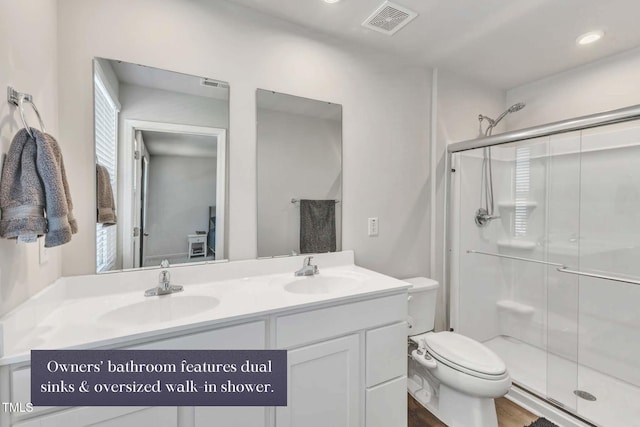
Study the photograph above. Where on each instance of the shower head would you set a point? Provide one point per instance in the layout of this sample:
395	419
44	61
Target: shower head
516	107
493	123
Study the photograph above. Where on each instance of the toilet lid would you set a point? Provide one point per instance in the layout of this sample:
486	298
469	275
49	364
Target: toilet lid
464	352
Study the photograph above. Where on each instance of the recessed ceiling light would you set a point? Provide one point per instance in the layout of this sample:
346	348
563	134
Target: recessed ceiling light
331	1
590	37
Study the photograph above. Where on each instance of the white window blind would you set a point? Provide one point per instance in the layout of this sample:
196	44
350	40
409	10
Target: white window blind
523	186
106	131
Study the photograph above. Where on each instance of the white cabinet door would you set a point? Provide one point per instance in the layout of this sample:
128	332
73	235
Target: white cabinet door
324	385
387	404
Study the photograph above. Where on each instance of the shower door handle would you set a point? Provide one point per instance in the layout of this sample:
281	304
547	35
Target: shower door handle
598	276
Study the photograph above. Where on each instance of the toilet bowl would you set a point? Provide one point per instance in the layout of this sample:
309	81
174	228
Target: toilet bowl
453	376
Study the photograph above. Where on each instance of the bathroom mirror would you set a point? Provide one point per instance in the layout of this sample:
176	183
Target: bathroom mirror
299	171
161	144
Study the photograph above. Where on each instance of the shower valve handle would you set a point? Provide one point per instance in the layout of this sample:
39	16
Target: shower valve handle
483	218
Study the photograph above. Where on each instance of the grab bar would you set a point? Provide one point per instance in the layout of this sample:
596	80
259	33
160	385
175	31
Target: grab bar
598	276
517	258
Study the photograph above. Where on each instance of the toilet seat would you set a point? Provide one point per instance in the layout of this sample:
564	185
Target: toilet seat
464	354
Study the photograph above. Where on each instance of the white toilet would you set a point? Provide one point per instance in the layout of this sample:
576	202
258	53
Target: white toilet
455	377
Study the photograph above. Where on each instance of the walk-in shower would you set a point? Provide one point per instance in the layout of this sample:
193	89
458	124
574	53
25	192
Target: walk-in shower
485	214
553	284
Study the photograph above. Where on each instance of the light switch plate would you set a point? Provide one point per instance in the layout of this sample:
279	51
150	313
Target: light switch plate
373	226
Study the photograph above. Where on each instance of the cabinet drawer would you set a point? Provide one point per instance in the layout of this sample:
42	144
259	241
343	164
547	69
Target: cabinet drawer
386	404
301	328
250	336
197	239
386	353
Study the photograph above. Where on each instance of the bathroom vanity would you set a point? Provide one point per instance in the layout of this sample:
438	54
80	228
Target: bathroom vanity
345	330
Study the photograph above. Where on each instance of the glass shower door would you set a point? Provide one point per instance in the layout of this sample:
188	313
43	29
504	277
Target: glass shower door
552	285
502	267
609	315
562	243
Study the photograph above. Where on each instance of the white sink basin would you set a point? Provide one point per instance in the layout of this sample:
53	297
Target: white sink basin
165	308
321	283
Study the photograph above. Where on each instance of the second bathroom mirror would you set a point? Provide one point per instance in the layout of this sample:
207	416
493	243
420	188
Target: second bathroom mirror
161	144
299	171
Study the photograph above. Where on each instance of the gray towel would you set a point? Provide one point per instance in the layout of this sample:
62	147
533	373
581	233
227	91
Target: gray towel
317	226
59	208
33	184
104	194
22	199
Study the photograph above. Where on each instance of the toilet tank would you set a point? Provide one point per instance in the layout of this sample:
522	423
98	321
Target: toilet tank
422	304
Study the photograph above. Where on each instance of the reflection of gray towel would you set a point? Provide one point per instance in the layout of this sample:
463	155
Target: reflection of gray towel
104	193
317	226
22	198
34	182
59	208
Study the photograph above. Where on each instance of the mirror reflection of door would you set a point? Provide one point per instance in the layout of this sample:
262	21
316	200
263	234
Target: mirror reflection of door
179	182
144	186
139	191
138	147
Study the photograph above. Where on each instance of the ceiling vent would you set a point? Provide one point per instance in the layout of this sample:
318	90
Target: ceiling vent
213	83
389	18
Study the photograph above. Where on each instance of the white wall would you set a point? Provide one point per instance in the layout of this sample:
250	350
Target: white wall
29	64
600	86
385	114
181	189
298	157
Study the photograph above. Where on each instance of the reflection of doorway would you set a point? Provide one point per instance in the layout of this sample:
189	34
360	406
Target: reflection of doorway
179	168
144	186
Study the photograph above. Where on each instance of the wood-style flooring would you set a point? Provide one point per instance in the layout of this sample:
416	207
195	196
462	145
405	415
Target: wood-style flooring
509	415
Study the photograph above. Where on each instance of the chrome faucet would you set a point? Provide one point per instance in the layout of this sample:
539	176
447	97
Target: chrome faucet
164	283
307	269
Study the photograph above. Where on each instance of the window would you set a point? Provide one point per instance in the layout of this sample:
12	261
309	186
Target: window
106	137
523	186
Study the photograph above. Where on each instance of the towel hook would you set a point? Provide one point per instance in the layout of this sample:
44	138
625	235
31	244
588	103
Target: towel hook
18	99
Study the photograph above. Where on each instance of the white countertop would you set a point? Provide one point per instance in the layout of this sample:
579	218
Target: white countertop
76	314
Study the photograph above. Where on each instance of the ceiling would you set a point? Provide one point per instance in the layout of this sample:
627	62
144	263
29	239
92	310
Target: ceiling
155	78
503	43
290	104
179	144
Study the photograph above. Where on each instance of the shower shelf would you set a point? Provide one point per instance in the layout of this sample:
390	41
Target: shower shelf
515	307
512	204
517	244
